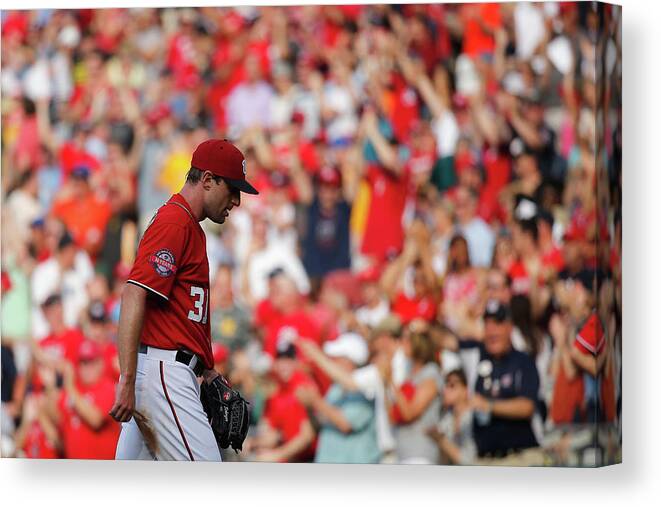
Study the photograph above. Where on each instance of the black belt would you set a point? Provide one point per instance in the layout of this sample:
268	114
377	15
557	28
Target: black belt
183	357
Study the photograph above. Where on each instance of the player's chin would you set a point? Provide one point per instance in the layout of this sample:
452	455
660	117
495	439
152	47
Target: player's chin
218	219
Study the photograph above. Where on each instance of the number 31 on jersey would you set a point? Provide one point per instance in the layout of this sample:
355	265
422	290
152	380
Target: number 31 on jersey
201	302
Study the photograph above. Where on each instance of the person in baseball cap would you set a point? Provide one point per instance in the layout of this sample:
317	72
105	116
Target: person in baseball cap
350	346
498	311
221	158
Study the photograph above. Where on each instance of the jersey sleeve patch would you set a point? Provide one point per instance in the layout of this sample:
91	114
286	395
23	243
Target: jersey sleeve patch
163	262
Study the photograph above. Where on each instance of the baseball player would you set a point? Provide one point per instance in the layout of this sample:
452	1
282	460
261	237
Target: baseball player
164	334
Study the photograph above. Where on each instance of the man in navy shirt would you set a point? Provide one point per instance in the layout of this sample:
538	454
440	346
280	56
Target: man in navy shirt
505	396
325	243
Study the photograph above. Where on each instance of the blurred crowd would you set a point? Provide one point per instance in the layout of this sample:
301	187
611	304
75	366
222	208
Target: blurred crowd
430	274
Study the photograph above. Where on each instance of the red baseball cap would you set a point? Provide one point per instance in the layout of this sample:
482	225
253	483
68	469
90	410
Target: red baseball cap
222	158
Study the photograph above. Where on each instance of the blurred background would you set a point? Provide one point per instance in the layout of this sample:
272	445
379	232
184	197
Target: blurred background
420	167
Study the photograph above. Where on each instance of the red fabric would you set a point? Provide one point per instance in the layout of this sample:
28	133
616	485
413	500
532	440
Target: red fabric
405	109
567	401
409	309
6	282
476	40
261	50
71	157
265	313
172	262
308	155
36	445
64	345
110	355
384	234
286	414
86	219
554	259
608	402
28	153
80	440
302	324
299	322
221	158
351	11
520	278
181	61
15	25
217	100
591	339
497	168
408	390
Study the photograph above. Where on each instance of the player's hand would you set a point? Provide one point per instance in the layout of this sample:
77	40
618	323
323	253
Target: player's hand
122	410
209	375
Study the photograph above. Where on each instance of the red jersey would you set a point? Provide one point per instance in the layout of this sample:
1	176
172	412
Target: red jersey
64	345
554	259
521	282
37	446
416	307
298	323
286	414
110	358
384	234
80	440
172	264
265	313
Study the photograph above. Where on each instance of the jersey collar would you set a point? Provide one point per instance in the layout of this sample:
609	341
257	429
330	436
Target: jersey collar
180	201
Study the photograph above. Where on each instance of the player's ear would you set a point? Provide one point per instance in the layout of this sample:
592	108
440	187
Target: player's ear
207	180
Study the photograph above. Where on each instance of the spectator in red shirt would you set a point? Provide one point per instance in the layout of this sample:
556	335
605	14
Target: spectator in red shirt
36	437
81	411
523	271
410	280
551	255
61	344
293	318
388	180
285	433
84	213
98	331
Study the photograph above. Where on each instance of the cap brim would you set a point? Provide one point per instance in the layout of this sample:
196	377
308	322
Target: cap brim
243	186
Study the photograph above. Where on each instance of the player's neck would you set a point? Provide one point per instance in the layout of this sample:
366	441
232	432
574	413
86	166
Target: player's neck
195	200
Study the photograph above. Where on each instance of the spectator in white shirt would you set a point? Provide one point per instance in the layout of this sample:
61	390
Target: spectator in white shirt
478	234
67	272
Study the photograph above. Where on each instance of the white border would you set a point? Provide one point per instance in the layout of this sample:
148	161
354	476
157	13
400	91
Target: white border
636	482
148	288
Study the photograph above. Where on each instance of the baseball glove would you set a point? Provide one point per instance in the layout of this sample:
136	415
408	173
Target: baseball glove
227	411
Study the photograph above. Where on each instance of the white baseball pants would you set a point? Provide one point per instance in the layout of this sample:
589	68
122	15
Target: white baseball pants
168	395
